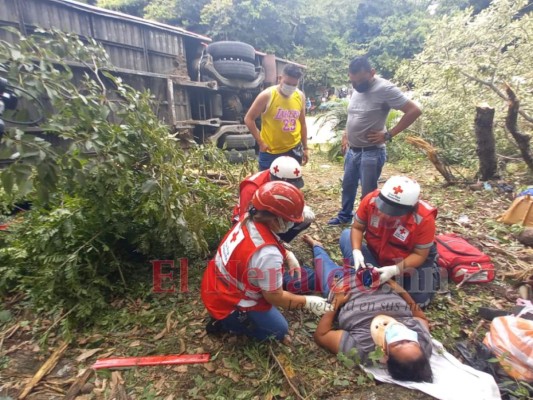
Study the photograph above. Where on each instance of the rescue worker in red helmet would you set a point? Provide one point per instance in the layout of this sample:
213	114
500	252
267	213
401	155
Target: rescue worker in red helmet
399	231
283	168
242	286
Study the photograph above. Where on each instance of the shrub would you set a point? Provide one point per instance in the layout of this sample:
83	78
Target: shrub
121	192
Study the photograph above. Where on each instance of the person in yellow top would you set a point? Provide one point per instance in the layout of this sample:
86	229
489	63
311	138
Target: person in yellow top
283	129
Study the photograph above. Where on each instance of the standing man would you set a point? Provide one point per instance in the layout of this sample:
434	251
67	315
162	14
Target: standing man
365	136
283	129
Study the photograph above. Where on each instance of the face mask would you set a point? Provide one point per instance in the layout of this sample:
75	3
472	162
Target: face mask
362	87
284	226
397	332
287	90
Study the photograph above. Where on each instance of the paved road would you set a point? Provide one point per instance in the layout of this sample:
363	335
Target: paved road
317	134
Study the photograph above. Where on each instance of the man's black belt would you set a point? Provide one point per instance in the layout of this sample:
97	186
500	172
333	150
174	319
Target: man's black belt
368	148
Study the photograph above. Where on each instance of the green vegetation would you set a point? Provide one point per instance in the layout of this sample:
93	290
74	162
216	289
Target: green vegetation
467	60
324	34
119	193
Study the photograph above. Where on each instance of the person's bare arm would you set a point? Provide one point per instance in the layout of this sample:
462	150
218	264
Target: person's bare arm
344	142
327	337
356	235
411	113
282	298
258	107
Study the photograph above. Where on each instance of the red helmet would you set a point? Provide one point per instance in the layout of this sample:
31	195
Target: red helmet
281	199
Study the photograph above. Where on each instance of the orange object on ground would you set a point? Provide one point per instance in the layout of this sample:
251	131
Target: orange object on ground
151	360
520	212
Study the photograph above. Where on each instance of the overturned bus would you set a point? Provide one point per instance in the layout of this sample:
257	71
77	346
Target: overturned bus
201	87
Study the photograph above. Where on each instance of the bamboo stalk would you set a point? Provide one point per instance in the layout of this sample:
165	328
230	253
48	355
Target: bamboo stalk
45	369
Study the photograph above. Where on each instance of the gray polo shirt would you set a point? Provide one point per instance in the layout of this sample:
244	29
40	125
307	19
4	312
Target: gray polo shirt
357	314
368	111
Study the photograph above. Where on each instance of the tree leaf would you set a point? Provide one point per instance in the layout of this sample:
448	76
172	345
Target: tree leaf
148	186
7	181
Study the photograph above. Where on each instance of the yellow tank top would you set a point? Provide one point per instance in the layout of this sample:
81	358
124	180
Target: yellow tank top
280	123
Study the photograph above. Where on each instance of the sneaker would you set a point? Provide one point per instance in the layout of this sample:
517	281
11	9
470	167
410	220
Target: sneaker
213	326
337	221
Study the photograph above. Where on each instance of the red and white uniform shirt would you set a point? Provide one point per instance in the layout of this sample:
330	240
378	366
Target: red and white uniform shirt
231	281
389	245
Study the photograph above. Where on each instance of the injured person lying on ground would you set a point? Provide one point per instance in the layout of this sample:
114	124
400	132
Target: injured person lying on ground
370	315
373	320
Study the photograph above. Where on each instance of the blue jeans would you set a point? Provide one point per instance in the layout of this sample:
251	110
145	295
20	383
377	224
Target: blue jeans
360	165
318	279
266	159
306	284
260	325
421	283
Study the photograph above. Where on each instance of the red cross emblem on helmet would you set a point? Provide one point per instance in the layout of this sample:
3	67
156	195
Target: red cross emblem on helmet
397	189
287	169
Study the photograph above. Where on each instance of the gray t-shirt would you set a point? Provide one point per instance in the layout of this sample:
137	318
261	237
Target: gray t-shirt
357	314
368	111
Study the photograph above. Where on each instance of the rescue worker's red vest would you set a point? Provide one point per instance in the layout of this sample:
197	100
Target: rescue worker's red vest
389	245
226	280
247	189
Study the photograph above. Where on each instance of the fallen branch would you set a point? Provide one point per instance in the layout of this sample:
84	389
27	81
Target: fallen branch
431	153
296	392
78	384
7	334
476	329
118	391
45	369
61	318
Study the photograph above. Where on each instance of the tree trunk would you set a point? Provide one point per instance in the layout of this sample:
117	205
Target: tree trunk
522	140
486	144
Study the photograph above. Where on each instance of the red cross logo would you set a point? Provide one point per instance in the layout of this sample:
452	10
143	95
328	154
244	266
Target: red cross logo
276	169
397	189
296	172
402	231
234	237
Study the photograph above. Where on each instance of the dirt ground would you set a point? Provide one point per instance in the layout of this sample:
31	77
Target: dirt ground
154	324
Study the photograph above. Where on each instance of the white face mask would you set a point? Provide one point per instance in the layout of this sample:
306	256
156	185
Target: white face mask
397	332
283	226
287	90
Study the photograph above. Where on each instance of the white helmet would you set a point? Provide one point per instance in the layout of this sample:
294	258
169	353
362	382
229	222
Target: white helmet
398	196
287	169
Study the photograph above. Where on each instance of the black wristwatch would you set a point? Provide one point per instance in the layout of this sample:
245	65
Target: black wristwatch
388	136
